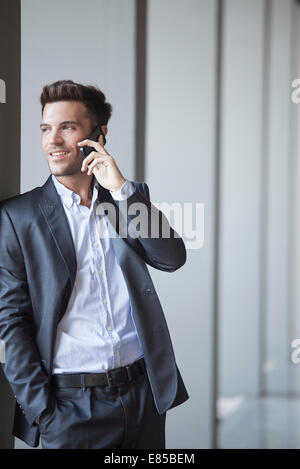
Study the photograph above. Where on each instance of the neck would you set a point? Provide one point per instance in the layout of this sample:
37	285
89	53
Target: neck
81	184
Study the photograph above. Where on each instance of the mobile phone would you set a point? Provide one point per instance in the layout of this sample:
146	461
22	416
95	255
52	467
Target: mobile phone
86	150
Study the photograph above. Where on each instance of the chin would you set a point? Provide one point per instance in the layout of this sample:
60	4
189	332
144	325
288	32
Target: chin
56	171
63	173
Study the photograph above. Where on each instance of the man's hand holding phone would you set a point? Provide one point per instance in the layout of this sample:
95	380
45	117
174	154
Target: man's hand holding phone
103	165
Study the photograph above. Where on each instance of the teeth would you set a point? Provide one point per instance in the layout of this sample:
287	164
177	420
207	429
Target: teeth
59	153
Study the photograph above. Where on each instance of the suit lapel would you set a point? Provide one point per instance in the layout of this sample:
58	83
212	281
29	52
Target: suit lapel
56	219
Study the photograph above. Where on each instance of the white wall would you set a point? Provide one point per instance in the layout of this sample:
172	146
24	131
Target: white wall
279	169
294	291
240	242
180	146
255	145
90	42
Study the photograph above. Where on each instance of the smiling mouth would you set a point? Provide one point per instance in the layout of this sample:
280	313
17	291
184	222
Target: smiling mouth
58	154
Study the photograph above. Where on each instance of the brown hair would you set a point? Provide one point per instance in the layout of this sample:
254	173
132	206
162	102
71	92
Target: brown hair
66	90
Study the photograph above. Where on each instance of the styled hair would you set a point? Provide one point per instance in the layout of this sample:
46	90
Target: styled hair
98	109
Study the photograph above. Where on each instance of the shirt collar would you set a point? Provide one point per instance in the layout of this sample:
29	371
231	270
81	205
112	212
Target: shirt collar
69	197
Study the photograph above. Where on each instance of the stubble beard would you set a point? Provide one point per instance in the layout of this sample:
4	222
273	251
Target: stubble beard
73	168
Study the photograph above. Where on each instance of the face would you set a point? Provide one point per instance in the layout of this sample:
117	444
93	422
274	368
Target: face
64	124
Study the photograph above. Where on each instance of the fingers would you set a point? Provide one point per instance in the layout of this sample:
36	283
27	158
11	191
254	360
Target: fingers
96	160
91	157
97	163
97	145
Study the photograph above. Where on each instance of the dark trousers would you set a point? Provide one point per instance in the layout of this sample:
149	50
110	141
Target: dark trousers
101	417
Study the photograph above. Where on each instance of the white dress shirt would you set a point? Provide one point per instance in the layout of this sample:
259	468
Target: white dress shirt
97	332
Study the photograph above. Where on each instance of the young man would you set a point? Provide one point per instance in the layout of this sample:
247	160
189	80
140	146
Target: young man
88	352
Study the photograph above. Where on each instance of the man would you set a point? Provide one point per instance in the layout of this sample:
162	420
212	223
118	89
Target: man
88	352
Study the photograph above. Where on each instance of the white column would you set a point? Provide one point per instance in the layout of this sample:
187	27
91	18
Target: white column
294	325
180	158
277	347
241	162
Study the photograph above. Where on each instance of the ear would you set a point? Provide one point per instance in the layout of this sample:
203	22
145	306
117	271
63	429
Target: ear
104	129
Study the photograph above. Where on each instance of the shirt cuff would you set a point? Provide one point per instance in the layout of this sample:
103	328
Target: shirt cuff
125	192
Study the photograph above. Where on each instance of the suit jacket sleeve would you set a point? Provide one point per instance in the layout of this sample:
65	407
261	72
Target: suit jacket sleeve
164	251
23	368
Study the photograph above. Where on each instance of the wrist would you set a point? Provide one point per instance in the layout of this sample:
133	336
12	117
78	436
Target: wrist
118	187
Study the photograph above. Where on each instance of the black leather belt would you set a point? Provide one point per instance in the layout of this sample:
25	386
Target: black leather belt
111	378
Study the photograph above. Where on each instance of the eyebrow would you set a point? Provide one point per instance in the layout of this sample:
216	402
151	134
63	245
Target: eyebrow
44	124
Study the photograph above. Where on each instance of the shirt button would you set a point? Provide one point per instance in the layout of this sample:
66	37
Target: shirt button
105	301
100	272
124	196
95	245
109	328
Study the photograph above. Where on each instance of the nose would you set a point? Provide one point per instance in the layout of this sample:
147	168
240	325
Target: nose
55	137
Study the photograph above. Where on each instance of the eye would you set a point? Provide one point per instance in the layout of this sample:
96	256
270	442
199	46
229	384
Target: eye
44	129
69	127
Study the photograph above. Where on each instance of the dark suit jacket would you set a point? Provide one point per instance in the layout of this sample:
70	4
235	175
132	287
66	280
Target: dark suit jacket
37	274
